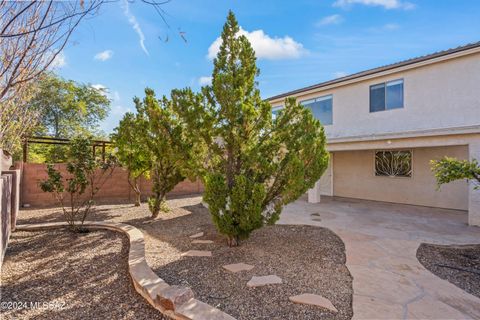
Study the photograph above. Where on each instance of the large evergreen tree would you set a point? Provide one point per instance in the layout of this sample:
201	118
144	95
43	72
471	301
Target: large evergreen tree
132	152
162	135
251	165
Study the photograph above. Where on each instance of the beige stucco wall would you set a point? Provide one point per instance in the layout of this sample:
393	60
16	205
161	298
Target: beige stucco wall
325	182
439	95
353	176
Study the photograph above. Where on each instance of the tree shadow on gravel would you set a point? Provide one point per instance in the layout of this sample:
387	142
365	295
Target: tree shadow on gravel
87	274
308	259
119	211
458	264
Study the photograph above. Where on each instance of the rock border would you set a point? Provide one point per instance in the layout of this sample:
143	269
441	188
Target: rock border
176	302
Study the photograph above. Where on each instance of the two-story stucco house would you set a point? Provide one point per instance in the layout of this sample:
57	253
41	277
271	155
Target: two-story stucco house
384	125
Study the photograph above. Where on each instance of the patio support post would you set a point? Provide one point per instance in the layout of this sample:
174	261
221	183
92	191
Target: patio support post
314	193
474	195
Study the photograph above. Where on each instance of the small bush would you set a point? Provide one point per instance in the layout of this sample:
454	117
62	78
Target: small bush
86	175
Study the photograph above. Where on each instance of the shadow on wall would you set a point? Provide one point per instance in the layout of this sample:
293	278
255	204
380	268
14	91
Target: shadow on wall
113	210
116	188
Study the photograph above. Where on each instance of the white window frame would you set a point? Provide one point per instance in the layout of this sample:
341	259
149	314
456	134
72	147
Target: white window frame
321	98
385	85
277	108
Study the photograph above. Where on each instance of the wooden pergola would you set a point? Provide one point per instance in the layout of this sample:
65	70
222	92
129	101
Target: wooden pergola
61	141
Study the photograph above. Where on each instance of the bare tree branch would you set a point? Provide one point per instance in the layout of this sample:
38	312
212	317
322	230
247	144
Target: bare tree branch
32	35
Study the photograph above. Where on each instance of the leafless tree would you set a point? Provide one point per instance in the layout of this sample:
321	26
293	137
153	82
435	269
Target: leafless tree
32	36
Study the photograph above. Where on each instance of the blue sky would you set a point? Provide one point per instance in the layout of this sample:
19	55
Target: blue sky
298	43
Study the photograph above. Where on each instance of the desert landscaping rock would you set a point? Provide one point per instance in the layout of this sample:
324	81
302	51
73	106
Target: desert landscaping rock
174	296
197	235
264	280
197	310
202	241
197	253
238	267
314	300
458	264
307	258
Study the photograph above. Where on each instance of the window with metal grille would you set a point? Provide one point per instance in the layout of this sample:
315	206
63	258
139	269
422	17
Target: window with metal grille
393	163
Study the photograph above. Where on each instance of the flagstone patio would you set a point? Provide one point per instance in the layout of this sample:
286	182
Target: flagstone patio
381	241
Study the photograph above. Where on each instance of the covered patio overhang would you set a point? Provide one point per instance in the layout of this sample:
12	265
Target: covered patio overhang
464	136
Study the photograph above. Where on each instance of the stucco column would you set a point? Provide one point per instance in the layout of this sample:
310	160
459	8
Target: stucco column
474	195
314	193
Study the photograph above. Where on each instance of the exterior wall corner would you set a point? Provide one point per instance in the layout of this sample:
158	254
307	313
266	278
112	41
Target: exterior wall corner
474	195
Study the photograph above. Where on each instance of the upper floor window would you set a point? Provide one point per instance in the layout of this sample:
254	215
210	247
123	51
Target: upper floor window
386	96
275	111
321	108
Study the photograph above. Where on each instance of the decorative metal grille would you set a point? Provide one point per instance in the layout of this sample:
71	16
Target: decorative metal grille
393	163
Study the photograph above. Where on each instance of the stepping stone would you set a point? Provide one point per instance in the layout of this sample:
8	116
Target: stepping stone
202	241
194	309
197	253
263	281
237	267
197	235
314	300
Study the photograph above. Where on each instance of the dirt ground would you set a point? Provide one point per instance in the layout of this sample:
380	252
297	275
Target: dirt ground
308	260
59	275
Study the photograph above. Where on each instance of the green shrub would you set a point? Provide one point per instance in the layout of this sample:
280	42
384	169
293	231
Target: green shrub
86	175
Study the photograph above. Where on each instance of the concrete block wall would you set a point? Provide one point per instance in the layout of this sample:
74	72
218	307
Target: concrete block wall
5	213
183	188
115	187
15	195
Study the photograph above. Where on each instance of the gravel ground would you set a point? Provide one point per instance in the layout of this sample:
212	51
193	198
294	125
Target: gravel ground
459	259
78	276
308	259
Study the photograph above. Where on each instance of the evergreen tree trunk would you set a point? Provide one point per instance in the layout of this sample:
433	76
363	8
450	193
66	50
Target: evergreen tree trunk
233	241
133	182
158	203
136	189
155	202
137	198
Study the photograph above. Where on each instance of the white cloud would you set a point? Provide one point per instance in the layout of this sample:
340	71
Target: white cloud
60	61
104	55
391	26
98	86
339	74
387	4
385	28
204	81
112	95
333	19
265	47
135	25
120	110
115	96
